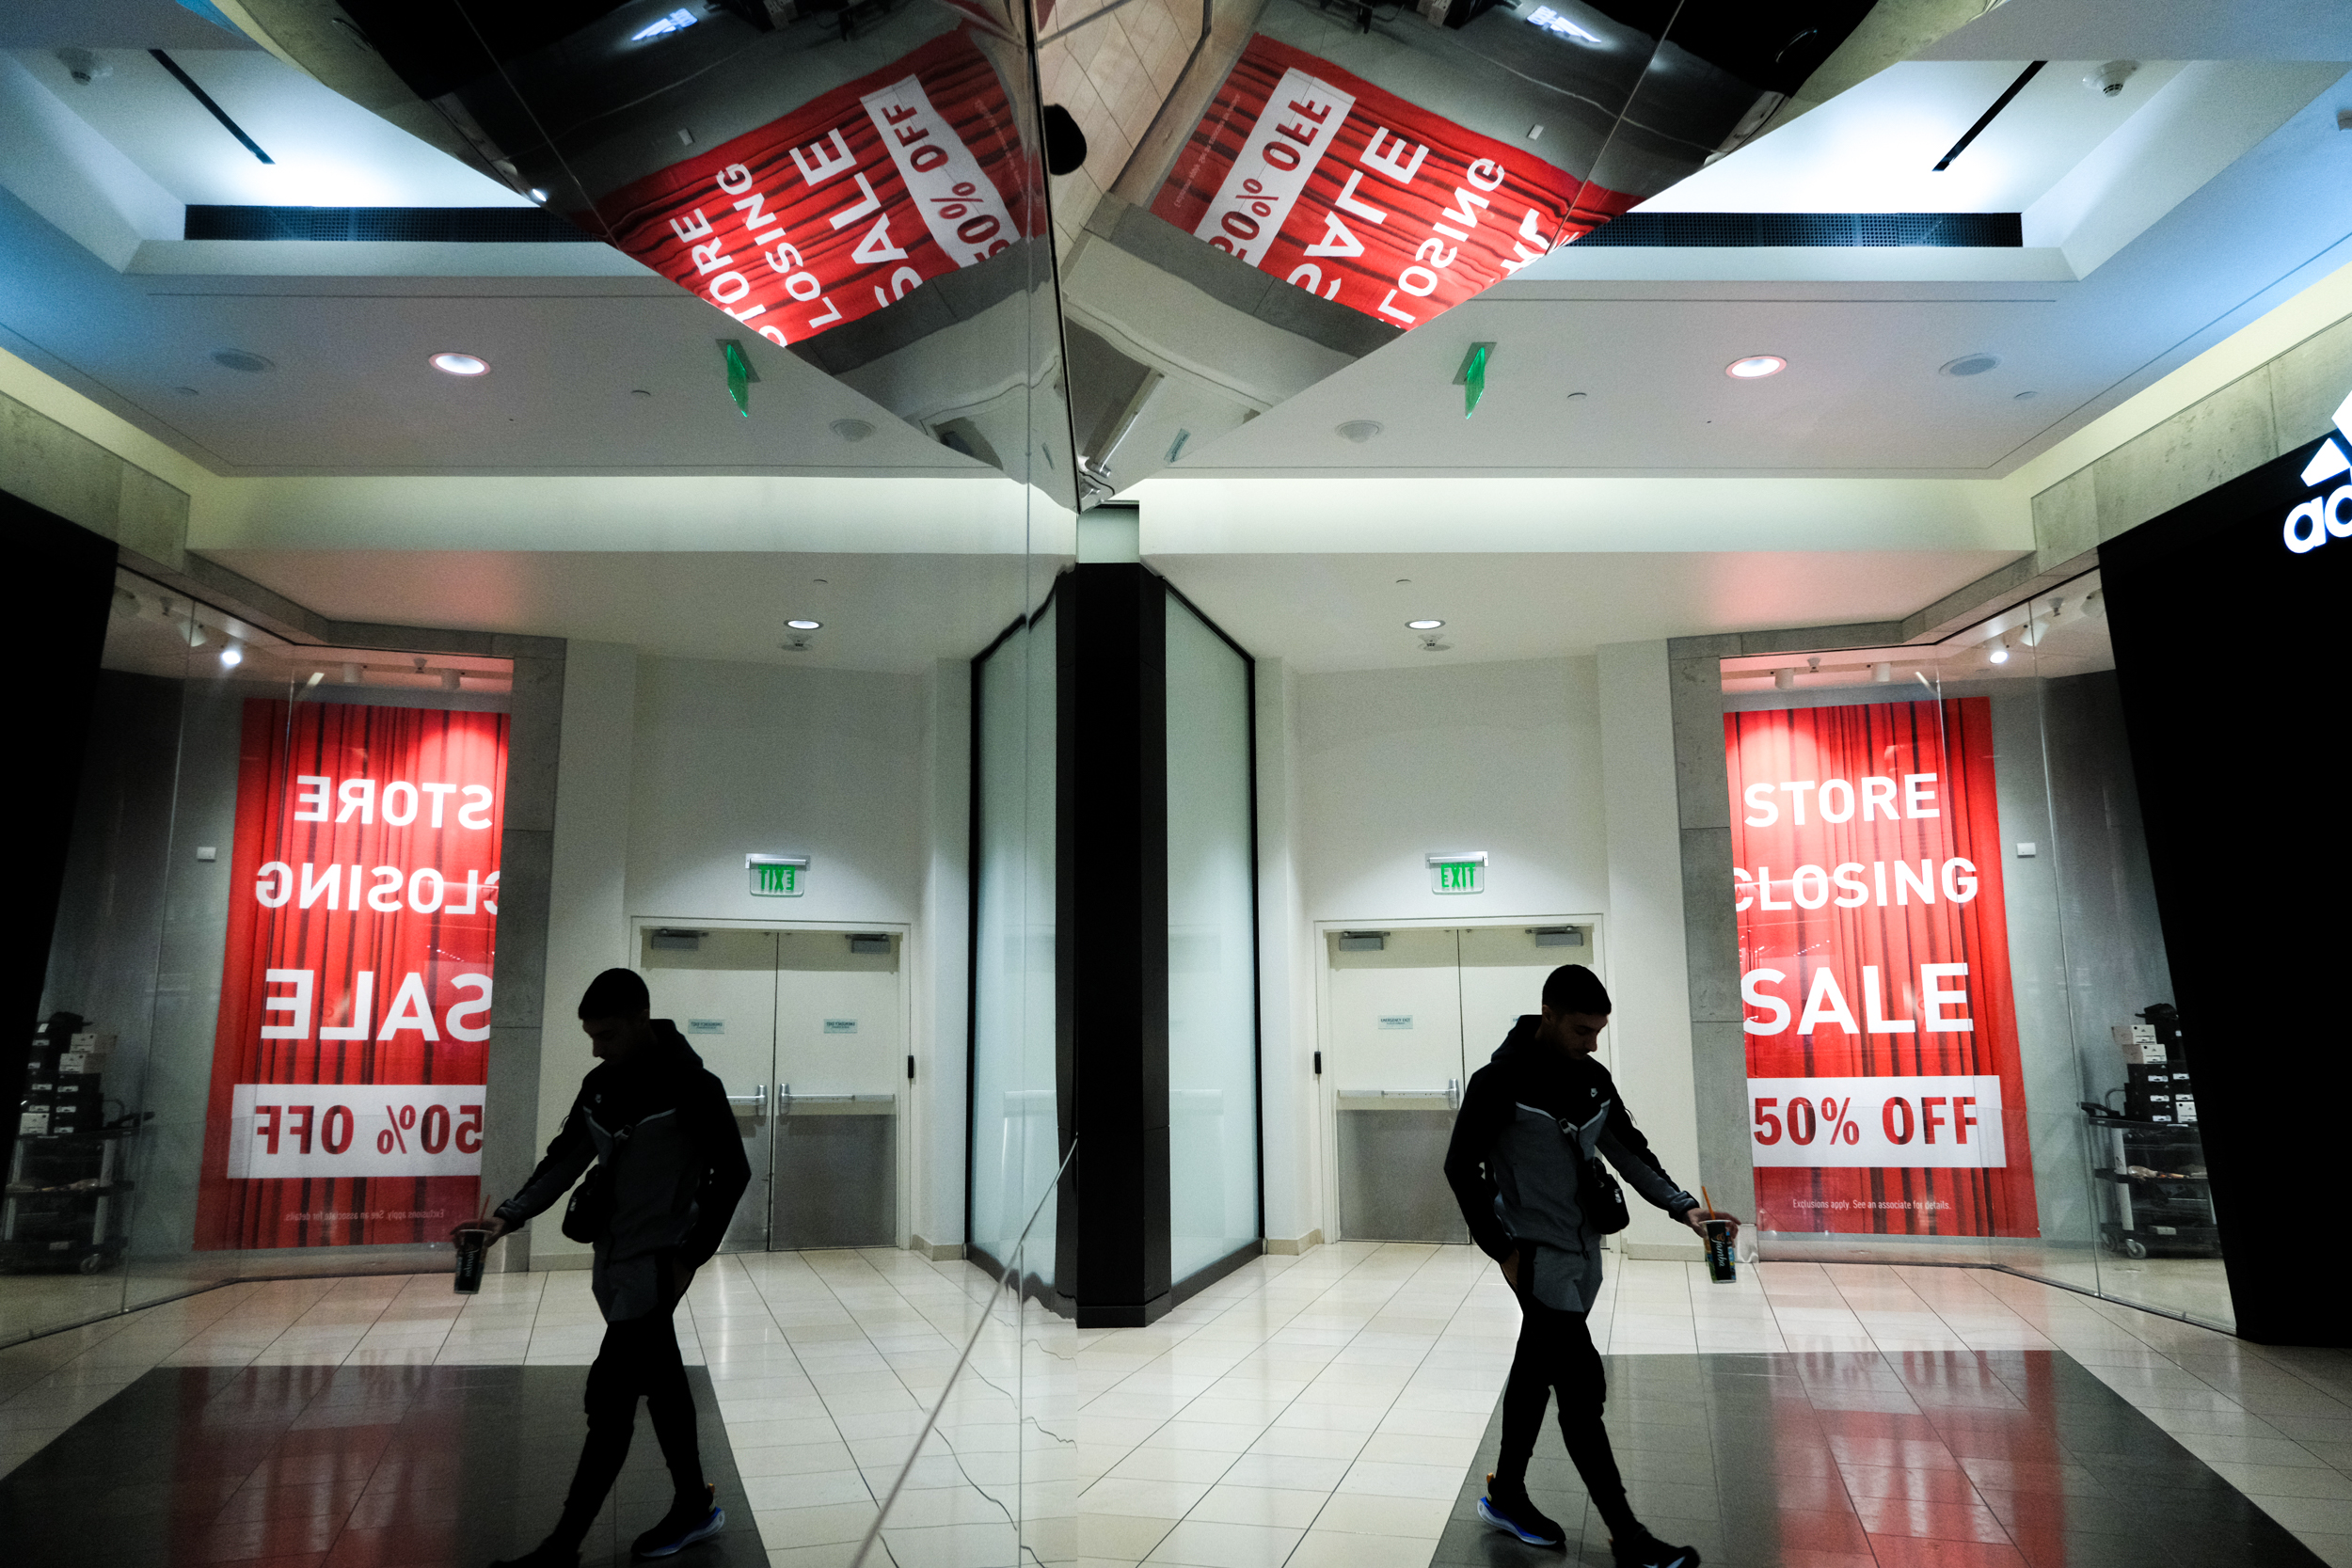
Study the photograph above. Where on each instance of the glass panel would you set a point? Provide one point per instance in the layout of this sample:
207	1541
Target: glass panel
2106	1173
990	1479
1211	949
1016	1140
2143	1229
320	1013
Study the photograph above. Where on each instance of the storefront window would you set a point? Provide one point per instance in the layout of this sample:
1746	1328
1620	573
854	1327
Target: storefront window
1961	1046
263	1031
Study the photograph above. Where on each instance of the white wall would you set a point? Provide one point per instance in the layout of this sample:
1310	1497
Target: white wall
674	770
1563	770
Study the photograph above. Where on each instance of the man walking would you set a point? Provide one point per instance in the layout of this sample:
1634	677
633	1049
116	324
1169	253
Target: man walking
669	1169
1523	1167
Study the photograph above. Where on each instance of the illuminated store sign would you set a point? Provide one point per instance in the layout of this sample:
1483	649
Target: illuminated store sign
1883	1087
355	1003
2329	516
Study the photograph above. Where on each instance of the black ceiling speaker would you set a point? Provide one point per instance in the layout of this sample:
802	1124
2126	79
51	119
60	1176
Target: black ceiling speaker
1065	144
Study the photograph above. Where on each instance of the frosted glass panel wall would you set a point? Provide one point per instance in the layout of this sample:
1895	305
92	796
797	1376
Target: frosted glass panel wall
1016	1146
1212	950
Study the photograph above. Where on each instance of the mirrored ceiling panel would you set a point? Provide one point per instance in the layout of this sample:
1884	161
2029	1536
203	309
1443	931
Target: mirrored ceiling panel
858	183
1326	175
1081	241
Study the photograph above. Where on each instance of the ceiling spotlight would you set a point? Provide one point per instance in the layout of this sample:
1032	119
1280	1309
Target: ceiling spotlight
1970	364
850	430
1423	626
195	635
1359	430
803	626
1784	680
1997	651
450	680
127	605
1755	367
316	676
461	364
2094	605
1882	673
352	674
538	195
231	655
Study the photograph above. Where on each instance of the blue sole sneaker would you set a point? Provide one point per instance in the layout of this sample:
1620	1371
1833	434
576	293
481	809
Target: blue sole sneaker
1519	1517
681	1528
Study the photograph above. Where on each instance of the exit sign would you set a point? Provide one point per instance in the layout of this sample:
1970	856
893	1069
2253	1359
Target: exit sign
777	876
1460	871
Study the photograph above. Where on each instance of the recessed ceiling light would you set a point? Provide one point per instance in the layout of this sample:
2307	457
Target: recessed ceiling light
804	626
1423	626
232	656
1971	364
851	430
1755	367
241	359
1359	430
1578	397
538	195
185	391
461	364
640	393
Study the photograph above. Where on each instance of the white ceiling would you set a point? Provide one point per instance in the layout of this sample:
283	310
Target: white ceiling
882	612
325	150
1874	147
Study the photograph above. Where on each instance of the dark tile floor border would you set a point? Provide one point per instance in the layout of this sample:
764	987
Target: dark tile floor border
1925	1459
314	1467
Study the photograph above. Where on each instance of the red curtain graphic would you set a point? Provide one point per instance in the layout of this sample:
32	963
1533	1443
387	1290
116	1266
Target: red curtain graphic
355	1001
844	205
1884	1087
1351	192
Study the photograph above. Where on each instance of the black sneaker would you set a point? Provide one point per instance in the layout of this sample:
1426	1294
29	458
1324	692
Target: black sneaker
546	1554
689	1519
1647	1551
1509	1509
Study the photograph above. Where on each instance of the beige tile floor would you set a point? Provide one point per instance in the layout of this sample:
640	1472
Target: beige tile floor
1302	1413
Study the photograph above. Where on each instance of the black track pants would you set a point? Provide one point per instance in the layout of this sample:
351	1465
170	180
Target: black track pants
639	1357
1555	1354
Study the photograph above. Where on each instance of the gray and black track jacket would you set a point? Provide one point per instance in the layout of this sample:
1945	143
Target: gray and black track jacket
1529	1119
659	1123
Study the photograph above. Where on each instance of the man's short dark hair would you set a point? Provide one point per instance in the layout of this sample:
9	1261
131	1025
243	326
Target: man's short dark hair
1573	989
619	992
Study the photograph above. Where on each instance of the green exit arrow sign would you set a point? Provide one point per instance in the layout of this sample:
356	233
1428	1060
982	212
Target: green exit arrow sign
777	876
1457	871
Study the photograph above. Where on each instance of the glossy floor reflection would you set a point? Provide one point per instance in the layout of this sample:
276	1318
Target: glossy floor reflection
307	1466
1918	1459
1306	1412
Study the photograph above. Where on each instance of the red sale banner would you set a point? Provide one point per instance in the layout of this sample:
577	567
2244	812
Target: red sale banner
1883	1088
1351	192
844	205
355	999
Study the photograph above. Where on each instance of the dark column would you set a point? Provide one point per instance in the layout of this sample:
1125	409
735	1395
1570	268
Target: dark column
1110	967
2227	651
67	577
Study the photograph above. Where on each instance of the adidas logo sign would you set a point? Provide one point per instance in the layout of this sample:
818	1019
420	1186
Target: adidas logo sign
2314	523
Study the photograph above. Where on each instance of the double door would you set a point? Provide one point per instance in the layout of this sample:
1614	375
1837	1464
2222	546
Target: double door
1413	1012
806	1029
